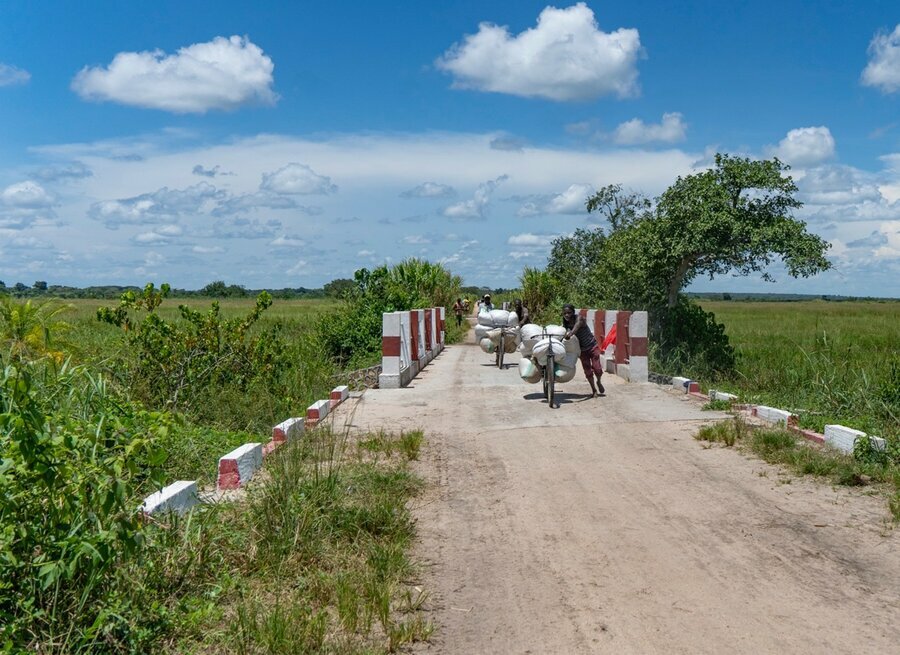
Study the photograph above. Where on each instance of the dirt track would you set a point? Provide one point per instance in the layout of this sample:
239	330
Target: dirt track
604	527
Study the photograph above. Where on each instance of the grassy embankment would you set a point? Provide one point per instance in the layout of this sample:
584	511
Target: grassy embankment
314	559
828	362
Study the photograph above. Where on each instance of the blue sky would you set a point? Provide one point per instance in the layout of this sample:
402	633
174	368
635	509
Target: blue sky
286	144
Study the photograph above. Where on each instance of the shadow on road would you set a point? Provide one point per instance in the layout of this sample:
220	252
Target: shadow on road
561	397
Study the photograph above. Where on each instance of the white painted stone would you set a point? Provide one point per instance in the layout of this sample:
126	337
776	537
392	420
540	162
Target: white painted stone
624	371
177	497
340	393
722	395
681	384
249	458
291	428
772	415
322	406
843	438
609	362
638	369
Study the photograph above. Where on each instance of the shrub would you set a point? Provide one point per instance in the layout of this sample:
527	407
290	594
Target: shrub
69	480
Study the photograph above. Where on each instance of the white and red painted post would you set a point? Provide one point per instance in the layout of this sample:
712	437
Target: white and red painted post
390	351
638	367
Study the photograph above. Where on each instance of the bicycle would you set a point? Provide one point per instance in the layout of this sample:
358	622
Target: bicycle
501	349
549	373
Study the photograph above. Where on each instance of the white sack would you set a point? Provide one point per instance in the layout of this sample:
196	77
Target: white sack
487	346
512	320
500	317
481	332
556	331
564	373
543	346
530	331
573	352
528	371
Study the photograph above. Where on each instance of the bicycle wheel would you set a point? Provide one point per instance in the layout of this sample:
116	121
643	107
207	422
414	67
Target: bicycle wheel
550	382
544	379
501	350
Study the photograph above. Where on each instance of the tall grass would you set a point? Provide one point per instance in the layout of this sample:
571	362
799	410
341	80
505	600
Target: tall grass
828	362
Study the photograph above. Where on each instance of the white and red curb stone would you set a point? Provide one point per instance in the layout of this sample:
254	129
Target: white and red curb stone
177	497
237	467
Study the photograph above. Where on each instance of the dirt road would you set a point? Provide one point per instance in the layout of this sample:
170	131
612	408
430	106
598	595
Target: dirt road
604	527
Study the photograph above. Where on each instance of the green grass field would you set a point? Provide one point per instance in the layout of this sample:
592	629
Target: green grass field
829	362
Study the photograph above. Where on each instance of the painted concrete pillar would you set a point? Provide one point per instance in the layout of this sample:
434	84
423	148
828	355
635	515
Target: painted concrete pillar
390	351
415	353
638	367
622	319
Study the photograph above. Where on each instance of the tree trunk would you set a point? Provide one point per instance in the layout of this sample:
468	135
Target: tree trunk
677	280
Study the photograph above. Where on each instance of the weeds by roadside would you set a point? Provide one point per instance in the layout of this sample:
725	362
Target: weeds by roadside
319	553
778	446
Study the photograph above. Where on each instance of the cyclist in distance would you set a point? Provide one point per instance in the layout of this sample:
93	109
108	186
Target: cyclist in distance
590	349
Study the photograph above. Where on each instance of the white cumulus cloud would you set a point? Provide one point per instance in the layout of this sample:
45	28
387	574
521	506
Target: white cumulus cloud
224	74
157	207
475	208
805	146
570	201
565	57
883	69
26	194
670	130
297	179
429	190
10	75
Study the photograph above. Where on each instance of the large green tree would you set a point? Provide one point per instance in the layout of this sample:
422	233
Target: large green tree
736	217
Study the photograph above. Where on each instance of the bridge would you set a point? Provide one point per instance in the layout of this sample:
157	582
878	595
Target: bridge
603	526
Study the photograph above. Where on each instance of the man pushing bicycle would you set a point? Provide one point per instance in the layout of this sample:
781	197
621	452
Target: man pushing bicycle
590	350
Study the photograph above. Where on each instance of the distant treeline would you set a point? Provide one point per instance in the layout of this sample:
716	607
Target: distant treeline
216	289
785	297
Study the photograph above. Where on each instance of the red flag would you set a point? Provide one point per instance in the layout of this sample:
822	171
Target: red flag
609	339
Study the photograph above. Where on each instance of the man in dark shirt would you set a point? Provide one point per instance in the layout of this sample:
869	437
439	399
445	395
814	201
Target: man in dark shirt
522	312
590	349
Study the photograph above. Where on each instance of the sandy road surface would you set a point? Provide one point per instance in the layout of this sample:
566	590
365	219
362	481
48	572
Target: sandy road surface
604	527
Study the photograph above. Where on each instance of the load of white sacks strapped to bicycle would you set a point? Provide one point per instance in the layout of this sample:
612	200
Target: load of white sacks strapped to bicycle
532	341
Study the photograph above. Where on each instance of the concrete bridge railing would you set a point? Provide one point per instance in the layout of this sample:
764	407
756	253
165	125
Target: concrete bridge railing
409	341
626	355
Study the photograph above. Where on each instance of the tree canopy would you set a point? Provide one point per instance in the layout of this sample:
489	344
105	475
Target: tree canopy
736	217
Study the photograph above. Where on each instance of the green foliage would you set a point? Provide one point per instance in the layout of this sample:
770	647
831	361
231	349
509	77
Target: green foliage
540	293
338	288
689	341
30	330
180	365
352	335
69	476
826	362
219	289
571	257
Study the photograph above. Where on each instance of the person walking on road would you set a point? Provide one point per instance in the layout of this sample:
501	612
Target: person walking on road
458	310
590	350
